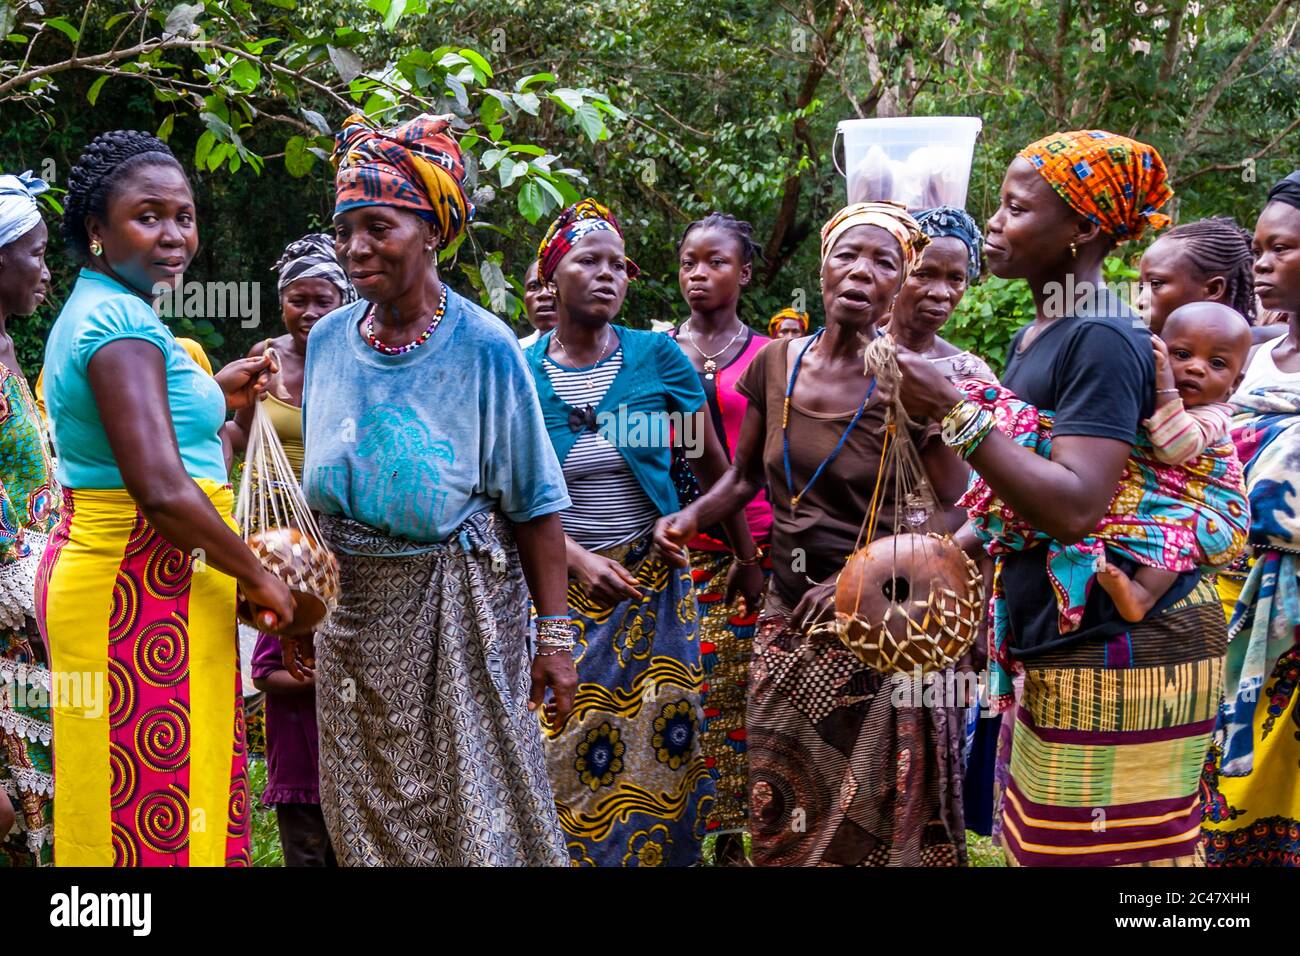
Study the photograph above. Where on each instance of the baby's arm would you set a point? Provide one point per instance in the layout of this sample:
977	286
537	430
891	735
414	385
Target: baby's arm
1181	434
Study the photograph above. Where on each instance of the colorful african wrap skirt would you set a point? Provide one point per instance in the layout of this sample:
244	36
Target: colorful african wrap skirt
149	765
25	733
1253	819
630	779
839	773
1109	742
726	637
429	755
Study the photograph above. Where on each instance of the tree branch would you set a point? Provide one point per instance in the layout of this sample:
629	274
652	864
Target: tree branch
1193	129
1258	154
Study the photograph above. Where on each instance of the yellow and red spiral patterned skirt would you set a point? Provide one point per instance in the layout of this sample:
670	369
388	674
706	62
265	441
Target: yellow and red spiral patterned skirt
149	760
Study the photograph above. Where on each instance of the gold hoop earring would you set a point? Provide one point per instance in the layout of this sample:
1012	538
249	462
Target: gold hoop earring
95	248
1074	251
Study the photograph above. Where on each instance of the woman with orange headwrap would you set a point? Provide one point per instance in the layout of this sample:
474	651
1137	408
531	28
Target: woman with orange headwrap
427	458
788	324
1115	718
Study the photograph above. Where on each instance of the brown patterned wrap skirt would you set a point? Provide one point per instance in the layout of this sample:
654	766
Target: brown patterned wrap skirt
429	755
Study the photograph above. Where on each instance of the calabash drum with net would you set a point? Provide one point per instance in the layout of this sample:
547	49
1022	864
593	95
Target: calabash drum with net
309	569
908	601
276	522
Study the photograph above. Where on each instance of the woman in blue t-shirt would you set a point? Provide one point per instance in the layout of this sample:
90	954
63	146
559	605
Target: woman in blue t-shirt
630	778
426	456
136	590
1131	705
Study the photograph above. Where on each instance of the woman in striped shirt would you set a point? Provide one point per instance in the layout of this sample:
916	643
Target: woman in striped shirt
630	780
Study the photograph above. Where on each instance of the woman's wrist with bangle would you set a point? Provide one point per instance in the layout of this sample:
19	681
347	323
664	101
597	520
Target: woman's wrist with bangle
750	561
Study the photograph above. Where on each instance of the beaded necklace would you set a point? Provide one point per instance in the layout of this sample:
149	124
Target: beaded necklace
785	428
373	340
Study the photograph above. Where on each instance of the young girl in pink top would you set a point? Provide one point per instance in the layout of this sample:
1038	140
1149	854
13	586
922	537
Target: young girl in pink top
715	261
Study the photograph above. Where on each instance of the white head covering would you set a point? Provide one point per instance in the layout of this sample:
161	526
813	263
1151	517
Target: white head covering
18	210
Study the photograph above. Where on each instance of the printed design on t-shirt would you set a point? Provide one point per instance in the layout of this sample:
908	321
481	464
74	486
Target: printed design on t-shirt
406	474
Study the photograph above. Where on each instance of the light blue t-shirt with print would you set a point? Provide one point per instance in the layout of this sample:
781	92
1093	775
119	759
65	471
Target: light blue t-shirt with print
101	310
415	444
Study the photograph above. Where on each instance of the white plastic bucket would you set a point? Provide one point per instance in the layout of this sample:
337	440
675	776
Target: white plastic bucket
919	161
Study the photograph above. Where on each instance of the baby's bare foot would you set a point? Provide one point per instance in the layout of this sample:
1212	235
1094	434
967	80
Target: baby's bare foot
1130	600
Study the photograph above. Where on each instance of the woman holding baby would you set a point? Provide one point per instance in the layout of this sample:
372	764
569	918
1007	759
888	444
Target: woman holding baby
1100	662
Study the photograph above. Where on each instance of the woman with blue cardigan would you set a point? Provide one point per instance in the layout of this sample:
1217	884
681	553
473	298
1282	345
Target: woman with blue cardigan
630	781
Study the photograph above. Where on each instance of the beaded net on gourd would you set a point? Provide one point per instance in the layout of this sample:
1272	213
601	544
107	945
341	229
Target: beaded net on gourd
928	597
274	519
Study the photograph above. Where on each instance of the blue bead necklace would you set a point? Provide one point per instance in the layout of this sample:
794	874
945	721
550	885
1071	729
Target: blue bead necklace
785	428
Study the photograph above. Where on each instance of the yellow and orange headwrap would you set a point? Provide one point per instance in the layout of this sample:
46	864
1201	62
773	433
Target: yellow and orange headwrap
1112	180
416	166
578	221
889	216
774	323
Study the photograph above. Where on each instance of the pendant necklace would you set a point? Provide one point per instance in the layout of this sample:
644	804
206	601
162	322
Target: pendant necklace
710	365
591	372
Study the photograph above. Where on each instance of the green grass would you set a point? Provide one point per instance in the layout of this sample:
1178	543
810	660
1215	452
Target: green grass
983	851
266	836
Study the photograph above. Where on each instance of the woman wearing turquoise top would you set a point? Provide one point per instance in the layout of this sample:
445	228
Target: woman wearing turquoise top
630	779
136	590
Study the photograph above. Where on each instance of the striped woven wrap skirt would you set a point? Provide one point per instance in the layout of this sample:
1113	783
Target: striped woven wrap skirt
1110	740
149	765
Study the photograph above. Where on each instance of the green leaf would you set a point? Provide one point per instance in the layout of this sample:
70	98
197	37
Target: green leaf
217	125
8	17
165	127
468	142
532	78
508	170
494	284
532	202
477	60
491	157
245	75
528	149
63	26
203	148
298	160
551	190
92	94
528	102
458	90
316	120
395	10
588	118
181	19
346	62
570	99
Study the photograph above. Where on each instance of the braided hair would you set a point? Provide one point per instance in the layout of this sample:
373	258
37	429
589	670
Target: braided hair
108	158
742	231
1219	247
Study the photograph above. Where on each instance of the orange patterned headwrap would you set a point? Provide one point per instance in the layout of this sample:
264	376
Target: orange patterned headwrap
416	166
1112	180
774	323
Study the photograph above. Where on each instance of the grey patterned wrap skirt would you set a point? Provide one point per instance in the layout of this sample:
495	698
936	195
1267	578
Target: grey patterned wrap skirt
429	755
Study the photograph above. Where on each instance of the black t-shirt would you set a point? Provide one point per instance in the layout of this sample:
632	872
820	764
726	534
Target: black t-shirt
1096	372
